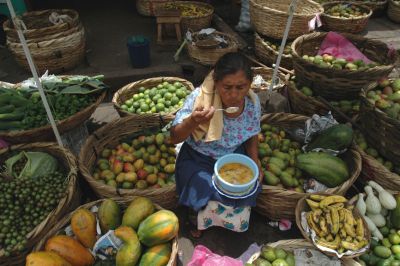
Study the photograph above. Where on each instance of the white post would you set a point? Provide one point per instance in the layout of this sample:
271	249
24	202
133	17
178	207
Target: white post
34	72
292	8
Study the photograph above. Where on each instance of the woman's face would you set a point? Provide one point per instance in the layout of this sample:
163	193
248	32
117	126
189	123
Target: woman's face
233	88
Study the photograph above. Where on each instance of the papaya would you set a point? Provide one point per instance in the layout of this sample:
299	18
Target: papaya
109	215
138	210
157	256
337	137
45	258
325	168
83	225
70	249
158	228
129	253
395	214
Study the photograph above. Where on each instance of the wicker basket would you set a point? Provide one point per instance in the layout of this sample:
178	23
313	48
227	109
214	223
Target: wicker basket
45	133
380	129
130	89
378	7
209	57
269	17
70	201
302	206
393	11
338	84
148	7
292	244
350	25
268	55
266	73
278	203
197	23
109	135
65	221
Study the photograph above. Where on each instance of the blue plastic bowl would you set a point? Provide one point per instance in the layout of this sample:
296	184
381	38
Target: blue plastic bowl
235	158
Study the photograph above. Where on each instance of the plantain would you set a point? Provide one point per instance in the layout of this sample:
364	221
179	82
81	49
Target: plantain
313	205
329	222
341	215
336	206
349	223
351	245
342	233
329	238
332	200
316	215
360	228
335	221
349	239
311	223
329	244
322	225
317	197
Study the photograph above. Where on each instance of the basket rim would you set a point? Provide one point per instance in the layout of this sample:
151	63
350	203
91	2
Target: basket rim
394	3
267	46
329	4
232	42
282	77
208	6
311	3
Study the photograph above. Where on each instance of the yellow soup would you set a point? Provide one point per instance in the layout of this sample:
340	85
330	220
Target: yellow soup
236	173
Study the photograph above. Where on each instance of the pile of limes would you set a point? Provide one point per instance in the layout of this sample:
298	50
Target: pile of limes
163	98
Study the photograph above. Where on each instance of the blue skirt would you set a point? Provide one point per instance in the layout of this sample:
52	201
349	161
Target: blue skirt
193	175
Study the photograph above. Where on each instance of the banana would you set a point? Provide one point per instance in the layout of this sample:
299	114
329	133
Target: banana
329	238
349	239
335	221
313	205
332	200
342	215
349	229
329	244
322	225
317	197
316	215
350	207
311	223
342	233
350	245
360	228
329	222
337	206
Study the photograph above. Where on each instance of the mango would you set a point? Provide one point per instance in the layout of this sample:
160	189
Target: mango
139	164
141	184
105	153
142	174
128	167
271	179
274	169
160	139
117	167
151	179
120	178
130	177
109	215
169	168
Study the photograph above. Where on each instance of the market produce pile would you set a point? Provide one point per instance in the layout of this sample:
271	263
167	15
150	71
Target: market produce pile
30	188
329	61
188	9
21	108
147	161
270	256
386	97
163	98
346	11
145	233
275	45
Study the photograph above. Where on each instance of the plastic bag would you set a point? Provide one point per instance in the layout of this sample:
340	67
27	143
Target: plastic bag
244	19
202	256
31	164
338	46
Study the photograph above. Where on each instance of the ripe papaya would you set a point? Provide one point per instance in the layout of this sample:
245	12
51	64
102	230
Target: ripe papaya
83	224
157	256
131	250
46	258
138	210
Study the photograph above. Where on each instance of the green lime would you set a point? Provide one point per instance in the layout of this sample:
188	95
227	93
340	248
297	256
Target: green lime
129	102
138	111
142	89
168	96
156	97
160	86
124	107
146	92
165	83
174	100
153	109
148	101
131	110
135	97
180	94
144	107
178	84
167	103
152	93
171	88
161	100
141	95
163	91
135	105
160	107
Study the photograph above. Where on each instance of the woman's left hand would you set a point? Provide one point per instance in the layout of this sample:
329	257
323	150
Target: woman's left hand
260	171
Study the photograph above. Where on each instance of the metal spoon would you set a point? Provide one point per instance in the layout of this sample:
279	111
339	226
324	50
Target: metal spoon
229	110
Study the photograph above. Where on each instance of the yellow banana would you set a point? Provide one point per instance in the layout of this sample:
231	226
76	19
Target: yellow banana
329	238
342	215
329	222
349	229
335	221
317	197
313	205
322	225
316	215
332	200
360	228
329	244
350	207
337	206
349	239
350	245
342	233
311	223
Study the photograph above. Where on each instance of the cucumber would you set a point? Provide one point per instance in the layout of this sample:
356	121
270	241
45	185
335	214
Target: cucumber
14	116
337	137
382	252
7	108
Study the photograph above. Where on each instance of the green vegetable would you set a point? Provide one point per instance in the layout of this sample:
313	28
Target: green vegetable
382	251
337	137
395	214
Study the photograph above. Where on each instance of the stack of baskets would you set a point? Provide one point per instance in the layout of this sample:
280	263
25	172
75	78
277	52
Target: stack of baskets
55	37
393	11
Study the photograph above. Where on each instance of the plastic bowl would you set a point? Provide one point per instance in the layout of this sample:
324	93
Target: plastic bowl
235	158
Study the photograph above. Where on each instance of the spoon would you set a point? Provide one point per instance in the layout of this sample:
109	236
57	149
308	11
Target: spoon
229	110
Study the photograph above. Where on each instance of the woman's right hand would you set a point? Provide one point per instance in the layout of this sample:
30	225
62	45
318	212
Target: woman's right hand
201	115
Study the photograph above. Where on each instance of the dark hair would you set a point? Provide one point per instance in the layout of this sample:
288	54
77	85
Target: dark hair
230	63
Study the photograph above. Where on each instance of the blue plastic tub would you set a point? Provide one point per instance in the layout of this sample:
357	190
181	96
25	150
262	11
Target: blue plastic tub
139	51
19	7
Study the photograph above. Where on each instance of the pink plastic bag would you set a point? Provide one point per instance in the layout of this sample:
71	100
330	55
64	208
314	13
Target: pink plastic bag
338	46
202	256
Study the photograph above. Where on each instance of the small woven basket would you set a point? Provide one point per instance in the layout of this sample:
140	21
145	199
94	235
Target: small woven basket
210	56
278	203
378	7
109	136
340	84
302	206
69	202
149	7
393	11
269	17
266	73
268	55
130	89
340	24
66	220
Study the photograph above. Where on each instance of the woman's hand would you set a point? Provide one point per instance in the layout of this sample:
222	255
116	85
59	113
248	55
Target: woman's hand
201	115
260	171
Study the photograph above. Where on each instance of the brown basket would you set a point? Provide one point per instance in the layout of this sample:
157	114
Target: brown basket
350	25
303	206
378	7
268	55
148	7
340	84
380	129
269	17
209	57
130	89
45	133
70	201
109	135
278	203
65	221
266	73
56	55
39	26
292	244
393	11
197	23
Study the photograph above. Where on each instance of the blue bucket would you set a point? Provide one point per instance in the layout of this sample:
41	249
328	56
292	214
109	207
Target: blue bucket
19	7
139	51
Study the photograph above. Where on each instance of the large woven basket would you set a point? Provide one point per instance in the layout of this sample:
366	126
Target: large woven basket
393	11
69	202
340	84
292	244
380	129
66	220
378	7
269	17
340	24
110	135
266	73
210	56
148	7
130	89
302	206
45	133
196	23
268	55
278	203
